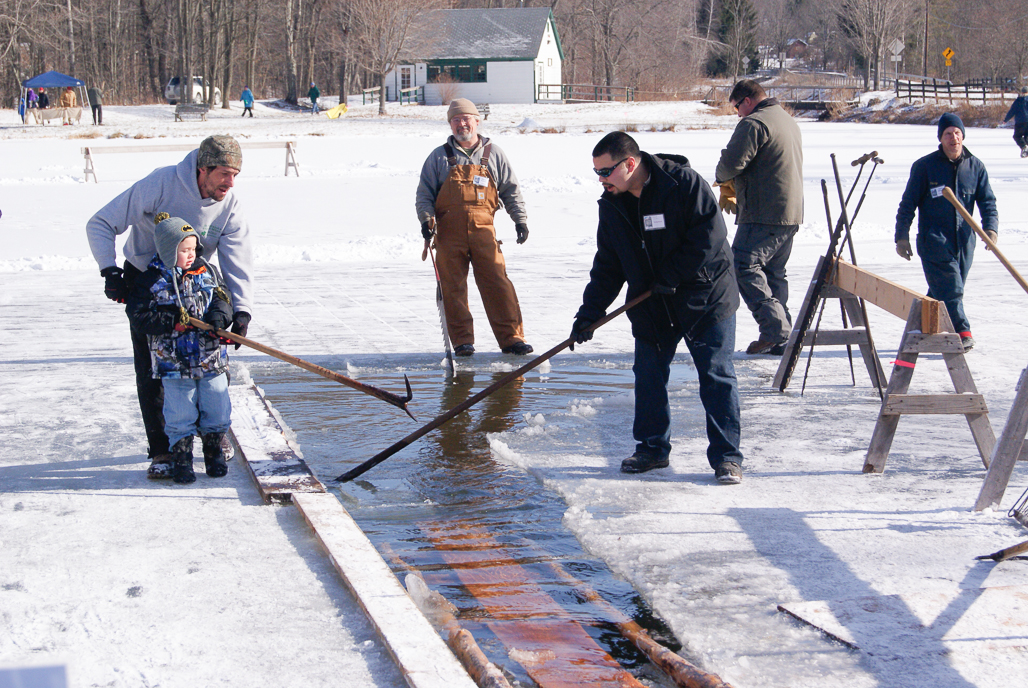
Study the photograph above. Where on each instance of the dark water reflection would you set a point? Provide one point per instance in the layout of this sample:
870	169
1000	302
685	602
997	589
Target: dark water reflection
445	499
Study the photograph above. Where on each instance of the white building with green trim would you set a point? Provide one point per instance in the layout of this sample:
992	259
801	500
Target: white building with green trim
484	55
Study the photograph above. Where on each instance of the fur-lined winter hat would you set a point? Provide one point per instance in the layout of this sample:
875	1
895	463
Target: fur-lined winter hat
169	233
951	120
461	106
220	150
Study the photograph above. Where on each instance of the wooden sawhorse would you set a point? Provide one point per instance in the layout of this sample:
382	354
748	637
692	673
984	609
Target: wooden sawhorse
929	330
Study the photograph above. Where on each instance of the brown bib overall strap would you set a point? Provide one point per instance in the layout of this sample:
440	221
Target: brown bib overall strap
464	209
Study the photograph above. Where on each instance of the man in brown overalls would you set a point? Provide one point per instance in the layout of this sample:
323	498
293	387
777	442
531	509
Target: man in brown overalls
463	183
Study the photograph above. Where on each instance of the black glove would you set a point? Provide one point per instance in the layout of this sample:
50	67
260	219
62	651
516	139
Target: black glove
240	323
426	230
660	288
579	332
114	284
217	319
522	229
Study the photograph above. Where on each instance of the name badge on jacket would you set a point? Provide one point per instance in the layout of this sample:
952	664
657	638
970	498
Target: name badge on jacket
937	191
653	222
481	180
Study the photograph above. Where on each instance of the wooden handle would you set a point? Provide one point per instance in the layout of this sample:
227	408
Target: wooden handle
948	194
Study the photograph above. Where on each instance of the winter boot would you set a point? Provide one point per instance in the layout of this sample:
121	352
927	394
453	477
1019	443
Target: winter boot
160	467
214	455
182	472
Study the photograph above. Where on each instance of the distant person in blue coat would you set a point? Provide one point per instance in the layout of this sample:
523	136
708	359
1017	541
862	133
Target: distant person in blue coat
314	93
945	242
1019	111
247	99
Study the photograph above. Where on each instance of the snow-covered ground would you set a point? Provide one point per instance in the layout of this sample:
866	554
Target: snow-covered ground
339	273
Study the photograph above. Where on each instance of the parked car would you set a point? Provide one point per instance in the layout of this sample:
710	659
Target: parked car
175	92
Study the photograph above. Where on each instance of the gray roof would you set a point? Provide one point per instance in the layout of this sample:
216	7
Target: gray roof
483	33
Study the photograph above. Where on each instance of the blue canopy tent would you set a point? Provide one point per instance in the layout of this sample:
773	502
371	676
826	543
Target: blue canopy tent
54	79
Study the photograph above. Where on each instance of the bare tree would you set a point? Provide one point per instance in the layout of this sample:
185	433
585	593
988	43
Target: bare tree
617	25
870	24
737	32
384	30
777	26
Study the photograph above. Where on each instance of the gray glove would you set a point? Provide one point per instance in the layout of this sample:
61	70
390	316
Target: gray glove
903	249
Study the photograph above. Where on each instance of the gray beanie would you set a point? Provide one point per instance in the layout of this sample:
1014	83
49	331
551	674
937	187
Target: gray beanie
461	106
218	151
169	233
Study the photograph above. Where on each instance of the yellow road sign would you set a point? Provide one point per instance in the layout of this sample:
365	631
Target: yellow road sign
949	63
947	53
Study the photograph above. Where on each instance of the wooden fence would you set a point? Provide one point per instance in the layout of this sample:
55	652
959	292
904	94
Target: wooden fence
414	94
585	93
939	89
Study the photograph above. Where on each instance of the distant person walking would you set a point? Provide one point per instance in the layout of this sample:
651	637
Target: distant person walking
314	94
463	183
945	242
96	102
762	166
247	98
199	191
1019	111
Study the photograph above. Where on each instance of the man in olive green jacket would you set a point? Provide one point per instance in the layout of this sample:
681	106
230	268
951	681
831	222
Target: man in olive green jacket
763	165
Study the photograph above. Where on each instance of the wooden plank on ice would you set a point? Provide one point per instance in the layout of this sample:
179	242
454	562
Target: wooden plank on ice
419	652
965	622
539	634
273	459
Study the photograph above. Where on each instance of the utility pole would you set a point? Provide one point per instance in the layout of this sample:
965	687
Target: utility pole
924	64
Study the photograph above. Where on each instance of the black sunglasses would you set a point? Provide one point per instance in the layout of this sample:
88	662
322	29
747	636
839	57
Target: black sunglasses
607	171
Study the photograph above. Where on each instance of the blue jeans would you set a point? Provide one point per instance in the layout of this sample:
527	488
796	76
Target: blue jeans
194	407
712	353
761	252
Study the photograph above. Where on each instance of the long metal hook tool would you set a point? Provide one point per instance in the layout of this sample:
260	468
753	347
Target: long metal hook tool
388	397
471	401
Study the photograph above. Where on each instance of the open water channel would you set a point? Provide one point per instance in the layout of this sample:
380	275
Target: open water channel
486	535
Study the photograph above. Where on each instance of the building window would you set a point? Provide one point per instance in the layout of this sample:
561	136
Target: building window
461	72
549	61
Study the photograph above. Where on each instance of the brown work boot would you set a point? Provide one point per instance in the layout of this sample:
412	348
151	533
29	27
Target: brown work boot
763	346
160	467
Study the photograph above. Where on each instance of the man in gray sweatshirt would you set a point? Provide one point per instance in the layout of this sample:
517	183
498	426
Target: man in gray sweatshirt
198	190
764	163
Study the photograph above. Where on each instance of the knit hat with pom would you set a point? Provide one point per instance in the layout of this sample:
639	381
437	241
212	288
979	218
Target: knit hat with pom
169	233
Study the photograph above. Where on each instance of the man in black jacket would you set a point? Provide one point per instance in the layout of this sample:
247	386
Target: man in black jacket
661	229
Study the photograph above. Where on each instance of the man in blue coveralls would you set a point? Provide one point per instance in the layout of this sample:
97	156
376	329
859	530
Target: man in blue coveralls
945	242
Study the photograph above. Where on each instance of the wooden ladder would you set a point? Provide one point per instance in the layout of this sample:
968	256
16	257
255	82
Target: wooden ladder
966	400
